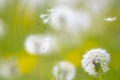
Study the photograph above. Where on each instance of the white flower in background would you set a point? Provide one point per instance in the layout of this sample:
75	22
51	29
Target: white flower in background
95	56
110	19
8	68
68	21
66	18
84	20
62	17
38	44
64	71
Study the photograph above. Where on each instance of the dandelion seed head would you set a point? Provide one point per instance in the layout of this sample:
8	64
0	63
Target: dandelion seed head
38	44
62	17
95	56
69	19
66	18
8	68
64	71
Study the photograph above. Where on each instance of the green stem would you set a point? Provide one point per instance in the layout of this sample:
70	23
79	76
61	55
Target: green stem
100	74
98	68
88	77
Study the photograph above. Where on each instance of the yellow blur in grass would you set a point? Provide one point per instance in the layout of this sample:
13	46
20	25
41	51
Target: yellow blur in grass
74	57
28	16
26	63
89	45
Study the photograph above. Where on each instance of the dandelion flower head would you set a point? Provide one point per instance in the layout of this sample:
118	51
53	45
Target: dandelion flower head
64	71
95	56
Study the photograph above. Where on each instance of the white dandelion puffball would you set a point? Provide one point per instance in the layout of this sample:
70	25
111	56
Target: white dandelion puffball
95	55
8	68
39	44
64	71
62	17
110	19
68	19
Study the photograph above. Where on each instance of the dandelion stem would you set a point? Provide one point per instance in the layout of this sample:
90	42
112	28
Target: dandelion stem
98	68
100	73
89	77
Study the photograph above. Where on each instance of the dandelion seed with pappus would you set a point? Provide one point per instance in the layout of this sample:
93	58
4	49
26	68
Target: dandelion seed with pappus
110	19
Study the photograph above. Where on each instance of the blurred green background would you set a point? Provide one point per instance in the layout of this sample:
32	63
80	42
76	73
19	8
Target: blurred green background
20	20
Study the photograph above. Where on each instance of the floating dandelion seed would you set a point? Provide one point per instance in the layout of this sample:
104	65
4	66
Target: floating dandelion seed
64	71
45	17
110	19
95	58
50	10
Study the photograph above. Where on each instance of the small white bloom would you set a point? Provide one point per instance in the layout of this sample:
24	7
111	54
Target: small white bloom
64	71
62	17
95	56
8	68
110	19
38	44
68	19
